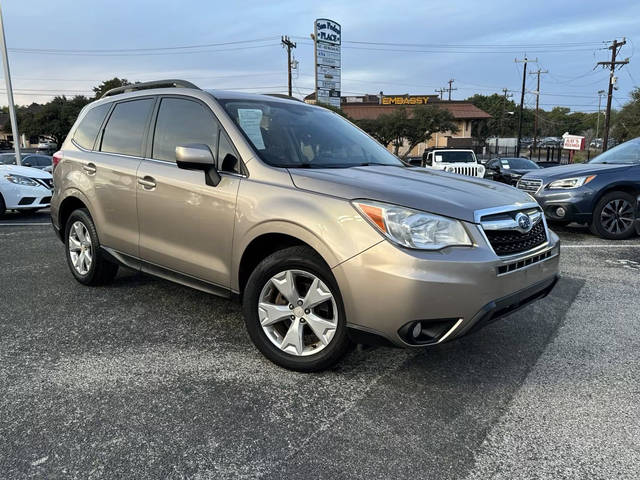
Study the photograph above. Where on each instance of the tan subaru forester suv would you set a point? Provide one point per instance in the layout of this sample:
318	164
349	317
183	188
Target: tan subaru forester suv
325	237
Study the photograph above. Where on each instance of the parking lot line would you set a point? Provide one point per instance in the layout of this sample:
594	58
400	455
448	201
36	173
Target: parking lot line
24	224
633	245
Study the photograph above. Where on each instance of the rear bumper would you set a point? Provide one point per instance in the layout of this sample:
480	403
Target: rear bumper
386	289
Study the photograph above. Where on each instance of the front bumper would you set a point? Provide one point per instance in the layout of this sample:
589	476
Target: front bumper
387	289
21	197
576	203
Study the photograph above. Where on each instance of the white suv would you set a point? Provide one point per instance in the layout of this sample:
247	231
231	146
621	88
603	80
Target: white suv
462	162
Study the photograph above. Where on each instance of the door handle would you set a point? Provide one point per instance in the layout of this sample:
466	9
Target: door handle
90	168
147	182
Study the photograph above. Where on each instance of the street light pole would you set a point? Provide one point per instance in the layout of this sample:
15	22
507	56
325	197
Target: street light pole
7	80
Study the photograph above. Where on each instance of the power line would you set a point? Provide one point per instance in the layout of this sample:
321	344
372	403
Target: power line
615	48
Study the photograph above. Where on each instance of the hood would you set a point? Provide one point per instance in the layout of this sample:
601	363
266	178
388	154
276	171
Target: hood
520	171
25	171
434	191
575	170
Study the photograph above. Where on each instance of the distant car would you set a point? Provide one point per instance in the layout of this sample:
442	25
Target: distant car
454	160
7	158
602	193
5	144
37	161
509	170
47	146
24	188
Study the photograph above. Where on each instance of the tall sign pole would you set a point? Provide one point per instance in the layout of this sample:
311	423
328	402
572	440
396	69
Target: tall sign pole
327	36
7	80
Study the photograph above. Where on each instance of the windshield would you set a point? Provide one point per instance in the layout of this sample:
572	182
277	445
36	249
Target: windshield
627	152
522	163
7	159
298	135
454	157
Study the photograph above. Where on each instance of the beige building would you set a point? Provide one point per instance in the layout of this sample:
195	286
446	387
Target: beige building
372	106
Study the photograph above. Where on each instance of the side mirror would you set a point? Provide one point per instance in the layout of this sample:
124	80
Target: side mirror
198	156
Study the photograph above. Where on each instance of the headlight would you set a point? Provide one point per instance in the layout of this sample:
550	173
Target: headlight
573	182
20	180
412	228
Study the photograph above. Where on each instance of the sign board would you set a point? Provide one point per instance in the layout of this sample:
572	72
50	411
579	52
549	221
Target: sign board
404	99
328	38
573	142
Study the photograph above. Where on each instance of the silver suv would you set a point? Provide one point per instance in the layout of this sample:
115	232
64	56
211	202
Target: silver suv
324	236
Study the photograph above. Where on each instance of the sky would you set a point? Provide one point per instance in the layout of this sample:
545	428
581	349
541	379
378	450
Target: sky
67	47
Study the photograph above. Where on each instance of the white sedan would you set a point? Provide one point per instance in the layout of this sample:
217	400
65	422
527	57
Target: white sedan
24	188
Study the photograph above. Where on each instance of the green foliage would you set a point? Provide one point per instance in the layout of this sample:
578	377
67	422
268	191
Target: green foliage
501	120
627	122
409	127
107	85
54	118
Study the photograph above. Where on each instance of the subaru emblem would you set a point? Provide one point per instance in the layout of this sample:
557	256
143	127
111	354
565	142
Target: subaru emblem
524	222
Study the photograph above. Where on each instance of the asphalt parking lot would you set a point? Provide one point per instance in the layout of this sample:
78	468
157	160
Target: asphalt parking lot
148	379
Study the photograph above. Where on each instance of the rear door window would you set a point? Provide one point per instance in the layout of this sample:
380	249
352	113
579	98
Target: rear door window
125	129
182	122
86	133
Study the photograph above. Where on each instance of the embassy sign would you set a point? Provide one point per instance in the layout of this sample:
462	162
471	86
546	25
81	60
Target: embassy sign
405	99
328	38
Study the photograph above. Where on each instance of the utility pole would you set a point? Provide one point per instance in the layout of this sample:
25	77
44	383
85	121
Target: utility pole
614	47
535	127
450	82
7	80
289	45
441	91
524	82
600	94
506	95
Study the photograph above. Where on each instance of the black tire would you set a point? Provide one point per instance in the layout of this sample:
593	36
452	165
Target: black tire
28	211
101	270
3	206
307	260
598	226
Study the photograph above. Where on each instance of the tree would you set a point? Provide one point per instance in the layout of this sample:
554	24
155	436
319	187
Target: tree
409	128
107	85
627	120
501	121
53	119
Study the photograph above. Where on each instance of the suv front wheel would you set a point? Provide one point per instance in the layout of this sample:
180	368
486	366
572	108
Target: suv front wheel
294	312
84	257
614	216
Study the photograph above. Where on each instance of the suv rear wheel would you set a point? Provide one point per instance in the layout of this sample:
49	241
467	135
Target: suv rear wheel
614	216
294	311
85	260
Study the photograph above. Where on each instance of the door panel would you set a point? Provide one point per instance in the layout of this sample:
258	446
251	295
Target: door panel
186	225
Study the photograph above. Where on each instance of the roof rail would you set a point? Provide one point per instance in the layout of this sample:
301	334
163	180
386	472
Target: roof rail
172	83
282	95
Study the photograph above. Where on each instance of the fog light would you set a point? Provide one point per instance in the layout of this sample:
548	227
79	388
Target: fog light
417	329
561	212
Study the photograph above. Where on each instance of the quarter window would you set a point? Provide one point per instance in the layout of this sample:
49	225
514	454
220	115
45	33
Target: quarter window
124	132
87	131
182	122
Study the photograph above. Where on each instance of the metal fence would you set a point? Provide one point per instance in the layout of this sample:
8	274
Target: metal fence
539	154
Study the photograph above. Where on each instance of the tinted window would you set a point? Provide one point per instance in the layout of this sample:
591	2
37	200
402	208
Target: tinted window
228	160
125	128
181	122
453	156
292	134
522	163
87	131
627	152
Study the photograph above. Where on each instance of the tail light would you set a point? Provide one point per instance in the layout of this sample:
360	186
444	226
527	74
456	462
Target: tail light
56	159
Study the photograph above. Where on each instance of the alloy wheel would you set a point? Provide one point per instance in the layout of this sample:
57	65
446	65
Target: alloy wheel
298	312
80	248
617	216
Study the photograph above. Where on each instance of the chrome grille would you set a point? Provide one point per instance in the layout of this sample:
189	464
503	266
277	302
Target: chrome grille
507	237
530	185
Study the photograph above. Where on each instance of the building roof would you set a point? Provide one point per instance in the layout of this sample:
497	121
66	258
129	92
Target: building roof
459	110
